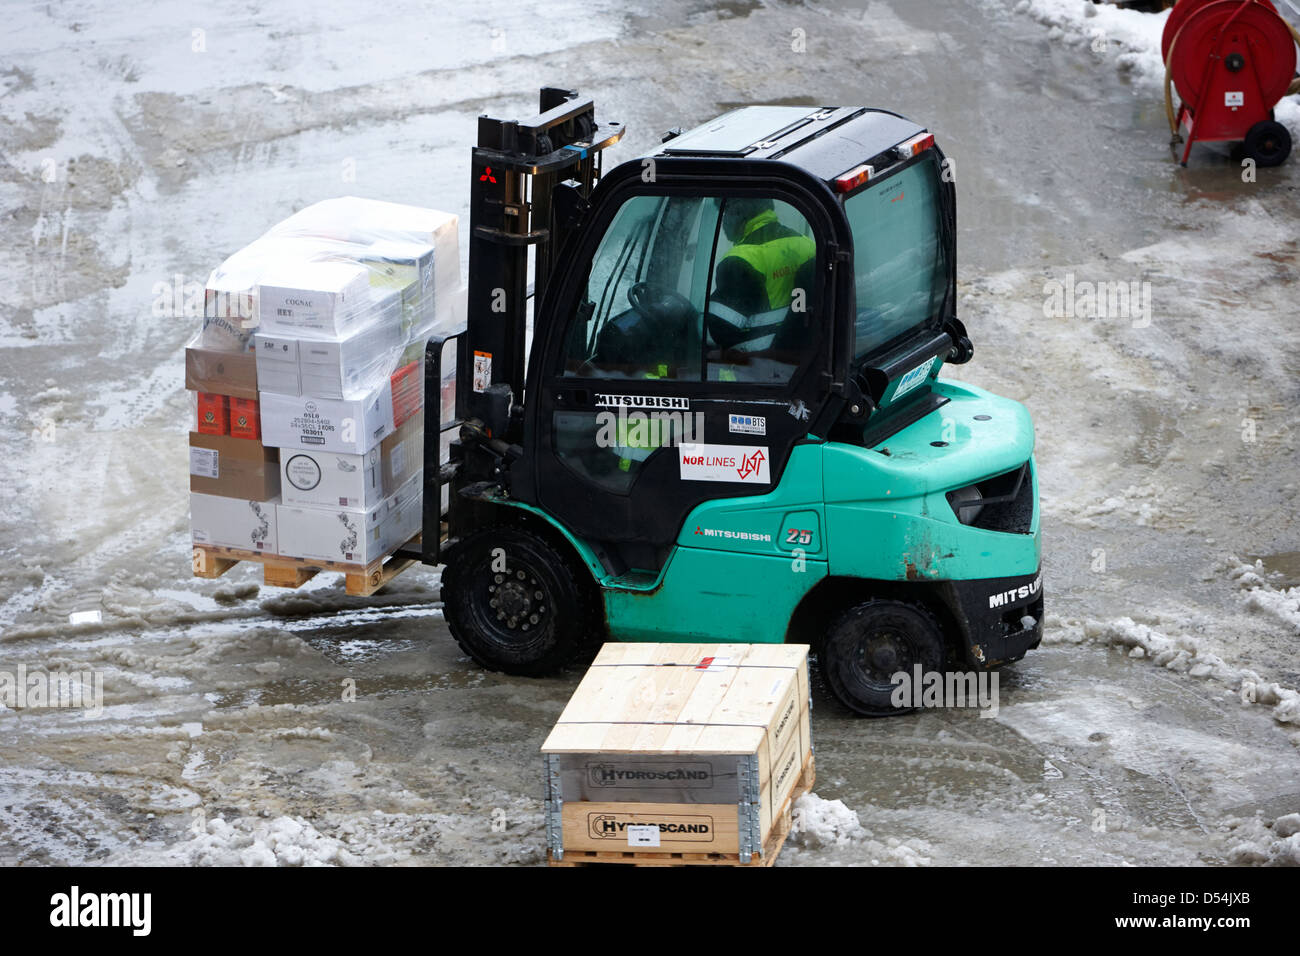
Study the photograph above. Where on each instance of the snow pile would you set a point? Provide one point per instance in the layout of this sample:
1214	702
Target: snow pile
1255	842
373	839
820	824
283	841
1146	504
1130	37
1182	653
1260	594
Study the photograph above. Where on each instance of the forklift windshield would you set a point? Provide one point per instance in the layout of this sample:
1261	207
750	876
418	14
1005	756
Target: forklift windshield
698	289
900	260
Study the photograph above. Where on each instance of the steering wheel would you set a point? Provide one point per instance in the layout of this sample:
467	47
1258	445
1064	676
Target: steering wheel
655	303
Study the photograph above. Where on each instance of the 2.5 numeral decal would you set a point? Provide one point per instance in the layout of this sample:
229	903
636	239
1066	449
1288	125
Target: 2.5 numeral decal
798	536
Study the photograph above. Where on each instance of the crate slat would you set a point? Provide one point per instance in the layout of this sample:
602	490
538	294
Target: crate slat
772	847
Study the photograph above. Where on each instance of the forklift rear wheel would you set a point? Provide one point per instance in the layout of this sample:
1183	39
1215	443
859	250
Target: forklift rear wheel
516	604
1268	143
870	643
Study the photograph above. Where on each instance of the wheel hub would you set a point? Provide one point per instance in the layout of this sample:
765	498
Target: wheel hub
883	655
517	599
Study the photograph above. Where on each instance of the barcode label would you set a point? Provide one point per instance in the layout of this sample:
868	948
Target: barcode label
203	463
642	835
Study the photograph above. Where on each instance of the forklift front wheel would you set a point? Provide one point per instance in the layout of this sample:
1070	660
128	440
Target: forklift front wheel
515	604
872	642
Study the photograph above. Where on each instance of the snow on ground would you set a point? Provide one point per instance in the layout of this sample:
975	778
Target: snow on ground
228	734
1131	36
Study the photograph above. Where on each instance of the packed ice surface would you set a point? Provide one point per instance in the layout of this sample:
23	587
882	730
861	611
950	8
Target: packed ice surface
255	725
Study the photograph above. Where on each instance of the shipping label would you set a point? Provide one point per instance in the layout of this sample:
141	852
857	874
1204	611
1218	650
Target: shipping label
204	463
739	463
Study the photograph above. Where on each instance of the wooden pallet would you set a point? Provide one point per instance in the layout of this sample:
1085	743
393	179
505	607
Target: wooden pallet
278	571
771	849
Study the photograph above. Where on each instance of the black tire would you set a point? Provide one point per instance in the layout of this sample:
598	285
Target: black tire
872	641
499	619
1268	143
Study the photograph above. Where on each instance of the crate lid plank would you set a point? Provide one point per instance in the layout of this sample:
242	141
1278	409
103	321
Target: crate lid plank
680	698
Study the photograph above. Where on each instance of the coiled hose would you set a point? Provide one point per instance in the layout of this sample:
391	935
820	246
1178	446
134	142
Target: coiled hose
1293	89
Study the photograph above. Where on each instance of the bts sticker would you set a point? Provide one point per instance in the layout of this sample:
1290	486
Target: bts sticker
914	378
747	424
739	463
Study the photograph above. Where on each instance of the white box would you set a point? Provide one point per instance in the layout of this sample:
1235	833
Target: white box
337	367
353	426
235	522
335	480
327	297
350	535
372	221
320	479
277	363
407	267
354	364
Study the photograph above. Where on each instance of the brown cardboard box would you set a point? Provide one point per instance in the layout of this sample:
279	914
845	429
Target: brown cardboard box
226	373
233	467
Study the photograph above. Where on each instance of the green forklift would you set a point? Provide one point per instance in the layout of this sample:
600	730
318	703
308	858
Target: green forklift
724	421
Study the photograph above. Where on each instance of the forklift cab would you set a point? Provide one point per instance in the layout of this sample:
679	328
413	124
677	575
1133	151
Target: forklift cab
712	286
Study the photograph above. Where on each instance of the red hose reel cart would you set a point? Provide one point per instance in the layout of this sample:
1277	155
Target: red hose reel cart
1230	61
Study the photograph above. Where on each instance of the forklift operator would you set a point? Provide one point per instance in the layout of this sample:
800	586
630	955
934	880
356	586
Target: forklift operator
754	307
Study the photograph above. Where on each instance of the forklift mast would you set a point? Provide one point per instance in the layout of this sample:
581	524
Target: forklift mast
529	183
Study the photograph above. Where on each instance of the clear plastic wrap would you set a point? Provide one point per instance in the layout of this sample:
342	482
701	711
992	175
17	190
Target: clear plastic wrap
345	366
321	325
412	249
306	276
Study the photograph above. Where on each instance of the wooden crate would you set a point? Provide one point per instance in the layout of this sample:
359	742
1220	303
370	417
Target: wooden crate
680	753
210	561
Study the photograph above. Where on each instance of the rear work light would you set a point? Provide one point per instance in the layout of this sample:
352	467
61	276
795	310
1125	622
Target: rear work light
854	178
917	144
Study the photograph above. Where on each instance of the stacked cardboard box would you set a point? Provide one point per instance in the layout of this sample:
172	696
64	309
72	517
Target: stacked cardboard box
327	315
234	478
